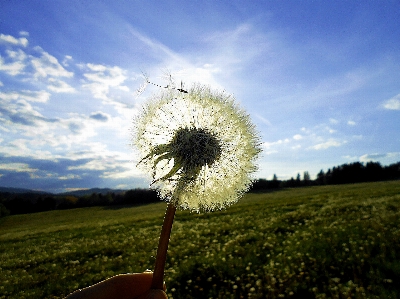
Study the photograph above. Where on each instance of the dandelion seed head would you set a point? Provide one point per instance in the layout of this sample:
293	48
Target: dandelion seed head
199	147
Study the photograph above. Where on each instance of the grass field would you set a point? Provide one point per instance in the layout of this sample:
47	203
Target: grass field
319	242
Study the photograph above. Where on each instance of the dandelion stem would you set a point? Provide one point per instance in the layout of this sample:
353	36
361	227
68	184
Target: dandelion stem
158	275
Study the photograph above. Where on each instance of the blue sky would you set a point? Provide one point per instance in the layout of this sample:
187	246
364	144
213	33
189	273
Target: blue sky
320	79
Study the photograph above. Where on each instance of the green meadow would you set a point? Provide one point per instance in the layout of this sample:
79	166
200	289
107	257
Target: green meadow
340	241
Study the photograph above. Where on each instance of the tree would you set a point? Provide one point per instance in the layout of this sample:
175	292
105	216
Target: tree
3	211
321	178
306	176
298	180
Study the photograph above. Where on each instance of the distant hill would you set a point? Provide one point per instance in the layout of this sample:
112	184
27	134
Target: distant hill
22	201
76	193
84	192
21	190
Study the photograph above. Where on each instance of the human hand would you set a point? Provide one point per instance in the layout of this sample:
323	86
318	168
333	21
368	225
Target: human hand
124	286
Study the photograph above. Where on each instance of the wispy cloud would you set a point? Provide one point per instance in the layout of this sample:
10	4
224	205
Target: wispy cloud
264	120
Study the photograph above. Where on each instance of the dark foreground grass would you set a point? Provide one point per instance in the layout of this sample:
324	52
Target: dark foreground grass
318	242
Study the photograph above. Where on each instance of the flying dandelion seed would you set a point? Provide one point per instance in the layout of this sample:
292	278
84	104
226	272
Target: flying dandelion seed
199	146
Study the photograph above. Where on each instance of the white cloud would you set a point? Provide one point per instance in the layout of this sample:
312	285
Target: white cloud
41	96
115	165
118	174
272	147
269	152
351	123
297	137
9	39
60	86
48	65
327	144
69	176
17	167
20	115
393	103
36	96
102	78
333	121
379	157
16	62
123	88
24	95
331	131
268	145
23	118
66	60
371	157
15	148
96	67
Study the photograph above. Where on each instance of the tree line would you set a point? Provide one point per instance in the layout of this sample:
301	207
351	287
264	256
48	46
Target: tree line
23	203
356	172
